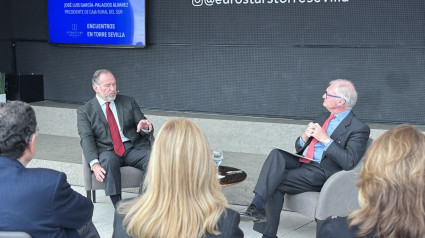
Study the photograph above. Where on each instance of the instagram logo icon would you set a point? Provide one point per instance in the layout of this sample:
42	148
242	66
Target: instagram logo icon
197	3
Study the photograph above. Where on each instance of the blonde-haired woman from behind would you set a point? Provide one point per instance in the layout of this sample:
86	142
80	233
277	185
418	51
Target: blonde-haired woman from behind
391	190
181	194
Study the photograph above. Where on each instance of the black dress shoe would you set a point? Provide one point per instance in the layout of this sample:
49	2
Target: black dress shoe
257	215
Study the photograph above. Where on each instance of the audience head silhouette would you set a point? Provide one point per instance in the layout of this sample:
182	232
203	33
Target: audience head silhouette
392	186
17	128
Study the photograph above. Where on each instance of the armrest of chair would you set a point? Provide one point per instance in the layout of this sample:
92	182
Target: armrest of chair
339	195
86	173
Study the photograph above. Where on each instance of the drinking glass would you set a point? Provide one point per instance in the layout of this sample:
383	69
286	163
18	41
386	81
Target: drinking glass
218	158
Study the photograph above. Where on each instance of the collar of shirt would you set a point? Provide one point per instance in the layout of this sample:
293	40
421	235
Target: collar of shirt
102	102
335	122
340	116
111	106
114	111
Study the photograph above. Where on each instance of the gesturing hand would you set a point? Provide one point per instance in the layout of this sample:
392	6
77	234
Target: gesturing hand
144	124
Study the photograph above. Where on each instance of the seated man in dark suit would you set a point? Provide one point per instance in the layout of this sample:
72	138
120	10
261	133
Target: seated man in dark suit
114	133
37	201
335	141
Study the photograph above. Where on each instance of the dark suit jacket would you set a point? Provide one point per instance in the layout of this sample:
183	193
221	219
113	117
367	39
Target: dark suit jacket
94	130
228	225
350	139
40	202
336	227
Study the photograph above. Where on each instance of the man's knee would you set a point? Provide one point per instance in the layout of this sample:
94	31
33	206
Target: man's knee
108	160
143	162
112	165
275	153
275	156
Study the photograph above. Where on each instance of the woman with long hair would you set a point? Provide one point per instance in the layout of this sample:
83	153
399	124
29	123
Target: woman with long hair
391	190
181	194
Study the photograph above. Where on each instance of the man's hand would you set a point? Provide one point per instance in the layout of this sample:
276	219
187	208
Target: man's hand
308	132
144	124
318	133
99	172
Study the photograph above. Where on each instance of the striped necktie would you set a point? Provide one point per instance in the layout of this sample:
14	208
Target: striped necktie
115	133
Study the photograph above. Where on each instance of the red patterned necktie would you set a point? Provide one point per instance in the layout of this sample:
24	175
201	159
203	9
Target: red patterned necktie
115	133
310	149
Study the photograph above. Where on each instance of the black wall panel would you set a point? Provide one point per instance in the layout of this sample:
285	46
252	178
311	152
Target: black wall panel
262	59
5	20
352	23
5	36
30	19
6	56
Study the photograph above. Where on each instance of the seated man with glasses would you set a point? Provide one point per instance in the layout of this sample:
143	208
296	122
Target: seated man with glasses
335	141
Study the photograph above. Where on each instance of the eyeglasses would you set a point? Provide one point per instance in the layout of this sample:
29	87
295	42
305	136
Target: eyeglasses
31	136
330	95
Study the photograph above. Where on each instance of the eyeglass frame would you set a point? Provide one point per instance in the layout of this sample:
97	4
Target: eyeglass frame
330	95
35	132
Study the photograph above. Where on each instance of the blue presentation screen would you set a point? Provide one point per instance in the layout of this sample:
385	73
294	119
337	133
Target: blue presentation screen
108	23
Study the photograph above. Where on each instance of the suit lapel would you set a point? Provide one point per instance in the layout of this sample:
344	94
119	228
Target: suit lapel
120	111
341	128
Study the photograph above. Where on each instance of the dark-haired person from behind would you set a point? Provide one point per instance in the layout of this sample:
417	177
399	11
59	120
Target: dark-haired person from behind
37	201
182	195
391	190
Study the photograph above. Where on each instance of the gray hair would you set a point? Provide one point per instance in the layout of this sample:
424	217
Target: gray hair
346	90
17	125
96	75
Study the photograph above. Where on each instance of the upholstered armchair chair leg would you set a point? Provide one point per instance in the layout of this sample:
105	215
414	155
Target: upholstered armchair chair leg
318	225
91	194
88	194
94	195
